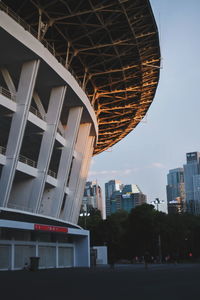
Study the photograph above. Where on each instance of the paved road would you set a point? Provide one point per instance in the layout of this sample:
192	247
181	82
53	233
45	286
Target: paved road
124	282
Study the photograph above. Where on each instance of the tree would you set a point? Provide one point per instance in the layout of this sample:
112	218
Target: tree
132	234
91	222
141	232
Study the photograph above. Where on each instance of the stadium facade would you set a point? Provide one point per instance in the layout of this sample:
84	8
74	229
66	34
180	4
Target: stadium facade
76	77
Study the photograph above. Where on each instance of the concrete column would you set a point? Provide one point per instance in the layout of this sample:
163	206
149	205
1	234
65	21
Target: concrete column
52	118
82	250
37	248
71	132
57	253
82	180
80	151
12	264
23	98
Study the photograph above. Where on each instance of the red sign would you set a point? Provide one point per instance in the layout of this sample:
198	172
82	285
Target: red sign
50	228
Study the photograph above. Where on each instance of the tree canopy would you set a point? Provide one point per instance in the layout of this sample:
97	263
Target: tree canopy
129	235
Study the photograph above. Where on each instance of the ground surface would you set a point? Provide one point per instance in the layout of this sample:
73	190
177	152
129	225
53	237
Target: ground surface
124	282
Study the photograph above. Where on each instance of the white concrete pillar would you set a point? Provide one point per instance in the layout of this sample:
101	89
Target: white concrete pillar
57	253
80	150
71	132
12	254
82	250
82	180
37	248
52	118
23	99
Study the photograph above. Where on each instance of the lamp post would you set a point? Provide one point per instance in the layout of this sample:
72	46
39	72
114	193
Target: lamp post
156	202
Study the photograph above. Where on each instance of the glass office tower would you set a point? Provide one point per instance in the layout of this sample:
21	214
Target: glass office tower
175	190
192	182
110	187
127	199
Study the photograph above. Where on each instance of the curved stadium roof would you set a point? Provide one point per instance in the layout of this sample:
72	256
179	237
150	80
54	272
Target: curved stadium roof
111	46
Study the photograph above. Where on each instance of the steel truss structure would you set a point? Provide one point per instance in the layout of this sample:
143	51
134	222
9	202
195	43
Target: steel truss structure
111	47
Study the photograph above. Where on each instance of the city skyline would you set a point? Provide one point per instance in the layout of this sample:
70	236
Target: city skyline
170	129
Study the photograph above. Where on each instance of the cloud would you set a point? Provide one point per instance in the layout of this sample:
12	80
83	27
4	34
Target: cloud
158	165
111	172
125	171
128	171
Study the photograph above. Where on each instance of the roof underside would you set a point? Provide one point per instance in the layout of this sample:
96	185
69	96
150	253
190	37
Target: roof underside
111	46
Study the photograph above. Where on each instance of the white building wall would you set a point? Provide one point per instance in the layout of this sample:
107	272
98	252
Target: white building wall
23	99
15	253
36	191
102	255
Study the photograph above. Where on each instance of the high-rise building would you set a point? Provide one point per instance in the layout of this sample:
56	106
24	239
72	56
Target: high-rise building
93	198
111	187
196	187
175	190
126	198
192	182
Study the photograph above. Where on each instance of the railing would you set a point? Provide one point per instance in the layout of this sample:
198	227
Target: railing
17	18
22	158
27	161
51	173
2	150
7	93
37	113
46	44
12	96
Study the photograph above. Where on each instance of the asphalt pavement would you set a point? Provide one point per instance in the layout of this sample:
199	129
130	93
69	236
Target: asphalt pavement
123	282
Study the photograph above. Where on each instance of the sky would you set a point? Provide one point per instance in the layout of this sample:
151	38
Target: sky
171	127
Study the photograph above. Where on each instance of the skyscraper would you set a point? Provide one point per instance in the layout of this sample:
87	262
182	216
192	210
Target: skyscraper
192	182
126	197
111	187
93	198
175	190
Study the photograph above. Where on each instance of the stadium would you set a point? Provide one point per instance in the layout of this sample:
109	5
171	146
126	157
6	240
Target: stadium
75	78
